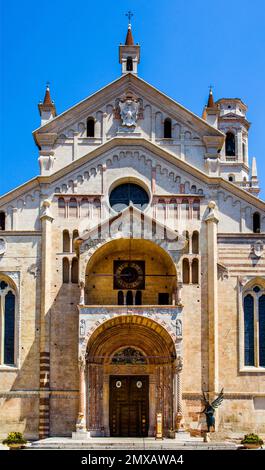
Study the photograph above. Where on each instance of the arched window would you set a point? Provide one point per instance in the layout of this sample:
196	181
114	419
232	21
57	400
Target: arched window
129	64
196	209
90	127
230	145
84	207
66	242
129	298
195	242
254	326
138	298
172	210
195	271
75	234
7	323
186	271
249	330
193	189
73	207
256	222
97	209
74	271
187	245
66	269
231	178
185	208
167	128
128	193
161	210
262	331
2	220
61	207
120	298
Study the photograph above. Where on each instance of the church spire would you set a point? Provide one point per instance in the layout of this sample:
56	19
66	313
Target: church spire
47	98
129	52
210	103
129	37
211	111
46	107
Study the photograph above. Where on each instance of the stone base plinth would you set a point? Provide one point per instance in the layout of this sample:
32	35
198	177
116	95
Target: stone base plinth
81	435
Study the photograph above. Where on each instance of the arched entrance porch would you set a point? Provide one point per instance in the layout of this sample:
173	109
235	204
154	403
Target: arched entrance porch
130	375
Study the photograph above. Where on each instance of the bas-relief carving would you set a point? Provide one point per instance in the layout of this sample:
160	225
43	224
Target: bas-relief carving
258	249
2	246
129	112
34	270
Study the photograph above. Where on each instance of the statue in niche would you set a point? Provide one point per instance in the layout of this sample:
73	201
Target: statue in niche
178	327
82	328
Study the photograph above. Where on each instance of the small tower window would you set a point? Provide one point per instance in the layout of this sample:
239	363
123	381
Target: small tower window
256	222
138	298
74	271
90	127
73	207
167	128
230	145
195	243
61	207
66	268
129	298
129	64
186	271
196	209
195	271
2	221
187	244
231	178
66	241
120	298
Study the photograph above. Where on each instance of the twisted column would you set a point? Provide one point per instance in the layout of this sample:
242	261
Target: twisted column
178	393
81	419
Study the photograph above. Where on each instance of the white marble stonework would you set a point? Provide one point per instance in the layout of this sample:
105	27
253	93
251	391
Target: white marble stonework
165	275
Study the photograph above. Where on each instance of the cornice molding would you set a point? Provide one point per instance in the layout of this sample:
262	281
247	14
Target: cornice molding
155	149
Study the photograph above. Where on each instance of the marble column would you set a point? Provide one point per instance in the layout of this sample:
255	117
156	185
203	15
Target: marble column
81	431
45	312
178	394
212	256
82	293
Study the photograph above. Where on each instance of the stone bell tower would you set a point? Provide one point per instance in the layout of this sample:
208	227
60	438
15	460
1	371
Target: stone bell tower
129	53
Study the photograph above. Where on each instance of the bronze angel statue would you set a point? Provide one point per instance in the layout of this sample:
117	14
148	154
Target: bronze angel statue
209	409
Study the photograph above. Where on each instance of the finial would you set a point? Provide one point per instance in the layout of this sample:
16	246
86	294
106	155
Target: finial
129	14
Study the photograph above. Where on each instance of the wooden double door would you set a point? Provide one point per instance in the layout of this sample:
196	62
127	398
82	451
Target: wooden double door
129	405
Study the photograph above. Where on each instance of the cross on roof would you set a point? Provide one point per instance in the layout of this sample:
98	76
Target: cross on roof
129	14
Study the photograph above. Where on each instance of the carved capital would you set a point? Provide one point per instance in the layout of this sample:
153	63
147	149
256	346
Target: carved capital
45	210
81	363
179	364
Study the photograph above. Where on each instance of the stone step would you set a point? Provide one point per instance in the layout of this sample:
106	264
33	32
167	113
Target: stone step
130	444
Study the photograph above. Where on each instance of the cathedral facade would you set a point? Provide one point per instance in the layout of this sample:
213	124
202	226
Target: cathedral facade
132	269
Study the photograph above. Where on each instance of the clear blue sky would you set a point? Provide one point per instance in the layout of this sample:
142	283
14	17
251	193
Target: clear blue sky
185	46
